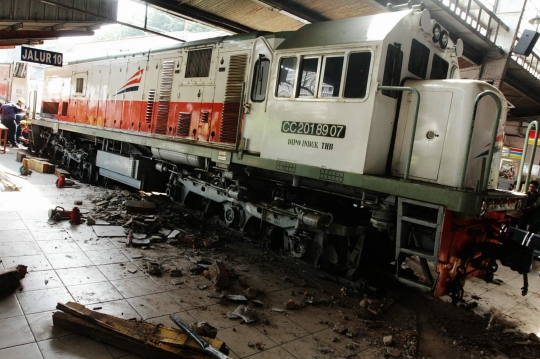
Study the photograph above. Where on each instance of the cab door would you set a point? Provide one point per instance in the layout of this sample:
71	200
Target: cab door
430	134
257	92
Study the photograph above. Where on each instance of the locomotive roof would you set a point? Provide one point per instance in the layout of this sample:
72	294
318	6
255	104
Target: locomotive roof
213	40
347	31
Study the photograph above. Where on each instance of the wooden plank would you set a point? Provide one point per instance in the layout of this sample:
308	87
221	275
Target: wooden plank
40	166
157	337
96	332
140	206
20	156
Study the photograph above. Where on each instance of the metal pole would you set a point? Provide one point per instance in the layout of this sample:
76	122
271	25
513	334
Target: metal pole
415	120
485	179
523	156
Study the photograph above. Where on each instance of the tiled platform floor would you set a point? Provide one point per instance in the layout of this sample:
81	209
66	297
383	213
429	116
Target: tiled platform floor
69	263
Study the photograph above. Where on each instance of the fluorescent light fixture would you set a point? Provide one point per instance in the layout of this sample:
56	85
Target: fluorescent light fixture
286	13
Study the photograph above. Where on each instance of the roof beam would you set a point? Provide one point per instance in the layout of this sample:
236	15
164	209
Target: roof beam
16	26
192	13
41	34
295	9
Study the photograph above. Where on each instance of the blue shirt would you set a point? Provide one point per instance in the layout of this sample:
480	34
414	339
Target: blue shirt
9	110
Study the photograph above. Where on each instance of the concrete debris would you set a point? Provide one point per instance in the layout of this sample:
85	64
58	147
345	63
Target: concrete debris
90	220
140	206
277	310
78	202
109	231
247	313
257	302
204	329
388	340
251	345
236	298
10	277
242	282
173	234
132	271
153	268
340	328
393	352
140	242
219	275
176	272
129	238
291	304
232	316
250	293
175	281
139	235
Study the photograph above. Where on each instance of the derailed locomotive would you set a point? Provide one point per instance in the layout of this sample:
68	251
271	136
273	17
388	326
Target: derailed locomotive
348	143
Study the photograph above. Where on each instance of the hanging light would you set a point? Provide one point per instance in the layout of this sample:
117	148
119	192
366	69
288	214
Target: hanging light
535	20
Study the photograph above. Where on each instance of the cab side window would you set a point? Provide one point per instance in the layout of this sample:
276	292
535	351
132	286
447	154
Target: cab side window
418	61
287	74
439	68
307	83
392	69
331	81
260	80
357	75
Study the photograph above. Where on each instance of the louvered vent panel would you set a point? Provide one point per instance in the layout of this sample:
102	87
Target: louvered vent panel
184	124
165	89
150	105
233	100
204	116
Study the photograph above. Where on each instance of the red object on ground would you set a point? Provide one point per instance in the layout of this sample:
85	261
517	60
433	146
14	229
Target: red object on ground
63	182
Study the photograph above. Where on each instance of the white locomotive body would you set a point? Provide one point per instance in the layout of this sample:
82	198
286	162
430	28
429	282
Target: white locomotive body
303	137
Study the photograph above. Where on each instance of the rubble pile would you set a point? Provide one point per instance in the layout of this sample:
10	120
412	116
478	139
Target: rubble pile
182	247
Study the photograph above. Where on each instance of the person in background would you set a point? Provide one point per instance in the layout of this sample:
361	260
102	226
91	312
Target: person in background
531	207
9	114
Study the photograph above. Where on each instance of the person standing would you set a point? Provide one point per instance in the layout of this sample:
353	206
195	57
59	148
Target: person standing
530	207
9	114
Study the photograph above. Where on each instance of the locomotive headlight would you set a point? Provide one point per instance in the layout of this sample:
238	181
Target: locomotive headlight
444	39
436	33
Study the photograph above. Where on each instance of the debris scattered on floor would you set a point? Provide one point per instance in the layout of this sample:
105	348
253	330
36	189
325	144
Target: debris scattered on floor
8	183
247	313
219	275
204	329
10	277
140	206
141	338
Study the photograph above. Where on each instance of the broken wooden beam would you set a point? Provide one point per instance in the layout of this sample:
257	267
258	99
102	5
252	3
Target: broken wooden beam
140	206
10	277
143	339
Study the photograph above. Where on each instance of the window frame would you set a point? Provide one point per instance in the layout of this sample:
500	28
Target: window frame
321	79
345	52
370	73
447	75
187	62
299	77
276	85
268	80
428	62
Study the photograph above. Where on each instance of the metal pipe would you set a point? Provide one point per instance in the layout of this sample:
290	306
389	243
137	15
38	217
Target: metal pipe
240	112
415	120
523	156
485	179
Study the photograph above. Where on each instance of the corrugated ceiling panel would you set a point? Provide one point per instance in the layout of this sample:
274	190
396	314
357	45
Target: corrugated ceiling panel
248	13
341	9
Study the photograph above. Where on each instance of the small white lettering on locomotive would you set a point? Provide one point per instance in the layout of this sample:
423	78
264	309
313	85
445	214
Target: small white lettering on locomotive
311	144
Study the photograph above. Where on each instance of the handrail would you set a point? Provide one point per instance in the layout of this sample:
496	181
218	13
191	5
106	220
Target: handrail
240	113
485	178
523	156
415	120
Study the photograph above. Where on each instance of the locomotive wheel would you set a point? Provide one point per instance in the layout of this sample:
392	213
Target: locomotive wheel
231	217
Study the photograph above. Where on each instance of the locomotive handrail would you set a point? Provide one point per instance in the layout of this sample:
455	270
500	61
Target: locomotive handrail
240	113
415	120
485	178
524	155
